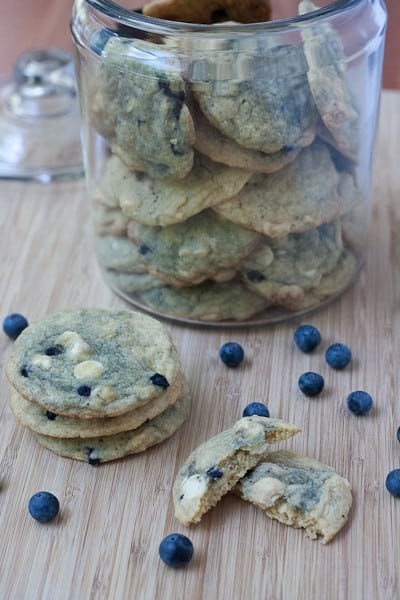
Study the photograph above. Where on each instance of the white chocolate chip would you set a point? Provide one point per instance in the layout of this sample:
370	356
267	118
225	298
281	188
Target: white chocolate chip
104	393
42	361
76	347
88	369
192	491
267	490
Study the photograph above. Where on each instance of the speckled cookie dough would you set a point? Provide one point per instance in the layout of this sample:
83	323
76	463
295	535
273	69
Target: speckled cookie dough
266	105
216	466
300	259
209	11
93	362
143	97
300	492
39	420
208	301
112	447
154	202
300	196
327	78
204	246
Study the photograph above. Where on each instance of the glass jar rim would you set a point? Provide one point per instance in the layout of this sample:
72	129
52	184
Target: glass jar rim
128	17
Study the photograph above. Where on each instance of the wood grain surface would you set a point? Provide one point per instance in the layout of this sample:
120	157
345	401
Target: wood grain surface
104	544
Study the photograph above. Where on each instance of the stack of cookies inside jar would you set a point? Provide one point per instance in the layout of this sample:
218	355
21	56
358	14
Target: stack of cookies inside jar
229	189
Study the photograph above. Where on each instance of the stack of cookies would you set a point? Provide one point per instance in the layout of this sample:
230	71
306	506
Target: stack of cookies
96	385
232	185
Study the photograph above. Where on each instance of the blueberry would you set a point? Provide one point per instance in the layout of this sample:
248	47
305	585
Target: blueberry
398	434
311	384
215	473
338	356
54	350
393	482
176	550
232	354
359	402
256	408
307	338
50	415
159	380
84	390
13	324
43	506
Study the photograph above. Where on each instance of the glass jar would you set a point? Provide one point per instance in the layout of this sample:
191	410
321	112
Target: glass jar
228	162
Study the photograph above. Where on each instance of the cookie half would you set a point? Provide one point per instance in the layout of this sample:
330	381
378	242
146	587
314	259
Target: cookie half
300	492
216	466
93	362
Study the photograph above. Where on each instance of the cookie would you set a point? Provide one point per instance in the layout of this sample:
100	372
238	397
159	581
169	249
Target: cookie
327	79
209	11
119	254
132	283
300	259
216	466
332	283
109	221
93	362
211	142
154	202
261	100
208	301
300	492
111	447
143	97
197	249
39	420
301	196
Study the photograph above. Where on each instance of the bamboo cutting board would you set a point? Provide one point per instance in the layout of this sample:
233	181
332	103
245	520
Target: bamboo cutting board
104	544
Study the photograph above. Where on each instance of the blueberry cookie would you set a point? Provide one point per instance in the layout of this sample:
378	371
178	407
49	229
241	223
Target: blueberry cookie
327	79
300	259
207	301
300	492
211	142
93	362
143	97
200	248
209	11
132	283
265	105
119	254
300	196
111	447
39	420
154	202
216	466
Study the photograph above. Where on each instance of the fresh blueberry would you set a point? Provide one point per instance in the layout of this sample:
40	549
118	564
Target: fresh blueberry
311	384
176	550
43	506
393	482
256	408
307	338
338	356
359	402
232	354
13	325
